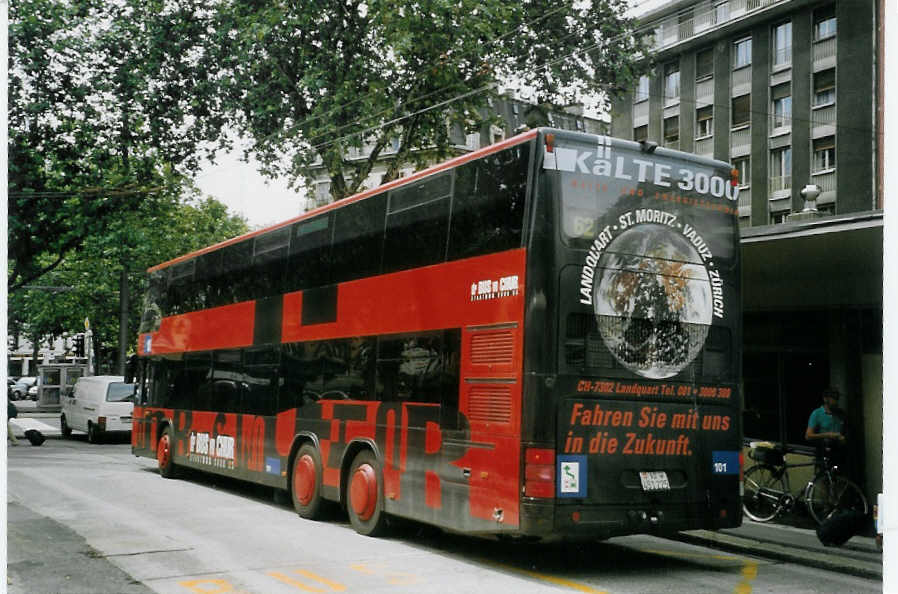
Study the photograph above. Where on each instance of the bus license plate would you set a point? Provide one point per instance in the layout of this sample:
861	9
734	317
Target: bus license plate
654	481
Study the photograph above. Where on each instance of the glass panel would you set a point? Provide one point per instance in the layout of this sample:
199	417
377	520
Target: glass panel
742	53
488	204
704	64
741	111
120	392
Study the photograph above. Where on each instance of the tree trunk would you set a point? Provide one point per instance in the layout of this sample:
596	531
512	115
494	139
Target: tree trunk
123	321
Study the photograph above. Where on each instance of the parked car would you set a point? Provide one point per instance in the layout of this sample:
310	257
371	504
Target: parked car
98	405
19	388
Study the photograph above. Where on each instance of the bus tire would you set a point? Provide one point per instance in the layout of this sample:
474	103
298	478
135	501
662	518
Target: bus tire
305	483
364	495
64	427
165	455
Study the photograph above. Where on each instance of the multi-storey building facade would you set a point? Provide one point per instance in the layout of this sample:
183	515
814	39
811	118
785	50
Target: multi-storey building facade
782	89
786	91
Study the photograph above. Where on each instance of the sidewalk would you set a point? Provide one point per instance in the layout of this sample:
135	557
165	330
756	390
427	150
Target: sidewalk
859	556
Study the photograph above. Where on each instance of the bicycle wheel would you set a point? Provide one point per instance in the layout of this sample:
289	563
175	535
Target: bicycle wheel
828	494
764	487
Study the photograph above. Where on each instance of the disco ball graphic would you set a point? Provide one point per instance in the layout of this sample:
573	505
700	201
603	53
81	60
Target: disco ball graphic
652	299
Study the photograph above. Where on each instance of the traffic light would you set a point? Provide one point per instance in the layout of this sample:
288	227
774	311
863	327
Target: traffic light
79	345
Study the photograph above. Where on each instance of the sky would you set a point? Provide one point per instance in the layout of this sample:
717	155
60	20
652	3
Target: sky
244	191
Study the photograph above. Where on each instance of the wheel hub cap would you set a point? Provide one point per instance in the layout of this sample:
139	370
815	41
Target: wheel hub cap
304	479
363	492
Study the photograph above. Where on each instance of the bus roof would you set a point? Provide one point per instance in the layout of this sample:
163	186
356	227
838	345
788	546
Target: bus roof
493	148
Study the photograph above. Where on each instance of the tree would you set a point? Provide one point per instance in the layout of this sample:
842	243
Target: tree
307	81
93	276
103	116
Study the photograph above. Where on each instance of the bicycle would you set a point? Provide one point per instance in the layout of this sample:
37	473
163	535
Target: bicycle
767	493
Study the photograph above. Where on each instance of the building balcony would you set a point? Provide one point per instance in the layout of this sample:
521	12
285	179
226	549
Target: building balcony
704	91
740	142
741	81
745	198
826	180
675	29
779	185
825	54
704	146
640	113
823	121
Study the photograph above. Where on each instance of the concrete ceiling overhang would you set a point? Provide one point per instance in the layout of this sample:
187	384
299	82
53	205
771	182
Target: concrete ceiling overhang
828	262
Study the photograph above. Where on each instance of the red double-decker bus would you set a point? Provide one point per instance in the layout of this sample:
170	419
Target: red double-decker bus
537	339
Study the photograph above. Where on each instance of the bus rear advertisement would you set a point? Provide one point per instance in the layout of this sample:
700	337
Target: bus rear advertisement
539	339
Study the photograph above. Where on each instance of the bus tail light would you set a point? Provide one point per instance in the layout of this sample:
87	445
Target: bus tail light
550	143
539	473
734	177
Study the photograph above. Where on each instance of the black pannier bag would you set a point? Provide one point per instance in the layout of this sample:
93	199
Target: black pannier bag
840	526
770	456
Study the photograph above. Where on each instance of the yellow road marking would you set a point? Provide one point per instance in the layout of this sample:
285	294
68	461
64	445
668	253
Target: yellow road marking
395	578
552	579
333	586
749	573
197	586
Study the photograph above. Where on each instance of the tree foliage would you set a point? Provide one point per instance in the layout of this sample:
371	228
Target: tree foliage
154	233
308	81
103	116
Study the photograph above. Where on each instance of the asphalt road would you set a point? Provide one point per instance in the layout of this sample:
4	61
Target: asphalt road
93	518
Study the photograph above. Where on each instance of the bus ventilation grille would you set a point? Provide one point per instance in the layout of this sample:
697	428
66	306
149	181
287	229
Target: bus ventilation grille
490	404
492	348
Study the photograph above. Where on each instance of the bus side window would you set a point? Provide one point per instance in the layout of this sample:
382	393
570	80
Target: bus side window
181	288
260	380
159	383
187	376
358	239
488	204
308	264
209	273
417	224
270	261
419	368
294	377
234	285
225	385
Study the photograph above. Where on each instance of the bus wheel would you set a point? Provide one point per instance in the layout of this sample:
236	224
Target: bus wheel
365	495
164	455
306	484
64	427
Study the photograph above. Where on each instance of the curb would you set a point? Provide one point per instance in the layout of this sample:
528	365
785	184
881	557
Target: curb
820	560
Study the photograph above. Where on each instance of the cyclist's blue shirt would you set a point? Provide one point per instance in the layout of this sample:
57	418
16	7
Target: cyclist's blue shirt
824	422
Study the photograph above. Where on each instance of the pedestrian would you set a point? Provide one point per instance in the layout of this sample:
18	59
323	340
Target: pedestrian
11	413
826	426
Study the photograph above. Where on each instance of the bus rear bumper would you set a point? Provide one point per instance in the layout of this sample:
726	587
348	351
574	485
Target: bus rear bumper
546	520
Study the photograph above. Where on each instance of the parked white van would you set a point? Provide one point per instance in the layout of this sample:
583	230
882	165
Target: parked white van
98	404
